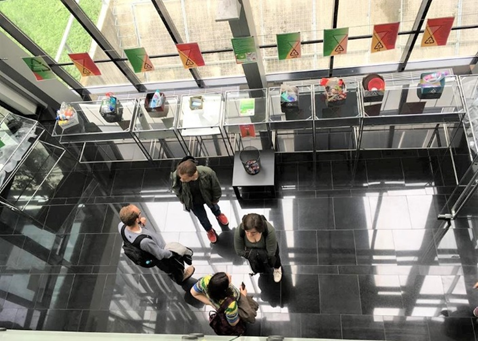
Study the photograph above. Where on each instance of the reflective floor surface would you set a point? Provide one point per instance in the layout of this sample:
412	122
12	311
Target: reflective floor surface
362	260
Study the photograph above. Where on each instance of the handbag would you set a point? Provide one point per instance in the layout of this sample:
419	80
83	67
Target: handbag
218	321
248	309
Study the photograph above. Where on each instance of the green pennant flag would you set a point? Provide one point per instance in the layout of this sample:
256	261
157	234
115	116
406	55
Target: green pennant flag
335	41
244	50
39	67
139	59
288	45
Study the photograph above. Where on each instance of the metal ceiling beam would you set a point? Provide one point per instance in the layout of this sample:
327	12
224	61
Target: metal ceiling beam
174	33
412	38
105	45
244	27
36	50
335	16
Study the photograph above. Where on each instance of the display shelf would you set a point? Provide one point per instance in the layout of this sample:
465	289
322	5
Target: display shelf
26	160
200	125
17	136
469	86
92	126
246	119
403	120
156	130
292	123
401	105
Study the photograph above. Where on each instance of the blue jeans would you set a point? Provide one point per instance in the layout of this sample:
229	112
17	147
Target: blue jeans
200	212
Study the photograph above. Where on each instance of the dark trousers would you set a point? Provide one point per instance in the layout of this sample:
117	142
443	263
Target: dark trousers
275	260
200	212
174	267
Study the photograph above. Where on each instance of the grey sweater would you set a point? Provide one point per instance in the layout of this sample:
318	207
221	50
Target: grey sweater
154	246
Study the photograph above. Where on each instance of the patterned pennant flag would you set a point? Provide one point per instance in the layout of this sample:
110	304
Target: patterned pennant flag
190	55
437	31
384	37
244	50
288	45
335	41
139	59
39	67
84	64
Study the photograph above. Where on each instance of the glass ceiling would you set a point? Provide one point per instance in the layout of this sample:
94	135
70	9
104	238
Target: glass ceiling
136	23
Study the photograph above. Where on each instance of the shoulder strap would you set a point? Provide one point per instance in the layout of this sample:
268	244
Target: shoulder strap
225	304
138	239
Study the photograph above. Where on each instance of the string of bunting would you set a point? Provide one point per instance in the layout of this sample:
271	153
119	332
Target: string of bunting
245	50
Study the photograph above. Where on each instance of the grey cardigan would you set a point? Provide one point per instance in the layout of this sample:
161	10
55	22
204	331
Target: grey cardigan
153	246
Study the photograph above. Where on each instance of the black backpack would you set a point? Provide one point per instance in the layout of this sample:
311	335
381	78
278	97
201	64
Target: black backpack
135	253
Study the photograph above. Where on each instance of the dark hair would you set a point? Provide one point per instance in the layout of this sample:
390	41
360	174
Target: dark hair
128	215
218	287
187	167
254	220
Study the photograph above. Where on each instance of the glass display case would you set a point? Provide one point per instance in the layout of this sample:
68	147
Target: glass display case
158	126
27	161
337	122
469	85
199	123
291	118
407	118
134	134
246	119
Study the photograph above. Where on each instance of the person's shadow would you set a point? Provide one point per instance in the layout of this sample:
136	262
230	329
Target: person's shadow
277	294
225	247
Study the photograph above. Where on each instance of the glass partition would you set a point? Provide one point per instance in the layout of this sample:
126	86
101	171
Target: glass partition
104	135
337	122
292	121
199	123
157	125
246	119
403	116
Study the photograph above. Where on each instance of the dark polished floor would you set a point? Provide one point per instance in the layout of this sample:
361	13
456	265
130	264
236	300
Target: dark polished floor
362	260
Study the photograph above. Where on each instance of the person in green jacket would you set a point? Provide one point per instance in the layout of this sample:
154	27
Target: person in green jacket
196	186
255	232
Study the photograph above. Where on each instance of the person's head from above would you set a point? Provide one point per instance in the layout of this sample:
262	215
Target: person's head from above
187	171
218	287
253	224
130	215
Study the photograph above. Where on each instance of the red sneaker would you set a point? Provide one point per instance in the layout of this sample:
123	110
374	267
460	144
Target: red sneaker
212	236
222	219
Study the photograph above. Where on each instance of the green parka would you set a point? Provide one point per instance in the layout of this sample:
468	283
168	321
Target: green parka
208	185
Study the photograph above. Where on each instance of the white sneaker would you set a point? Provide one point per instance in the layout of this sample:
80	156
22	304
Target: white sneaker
277	275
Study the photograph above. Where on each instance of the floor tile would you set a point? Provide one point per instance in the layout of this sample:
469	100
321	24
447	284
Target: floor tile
385	172
359	327
346	174
381	295
374	247
339	294
127	182
299	247
320	326
389	212
352	213
314	213
336	247
406	329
